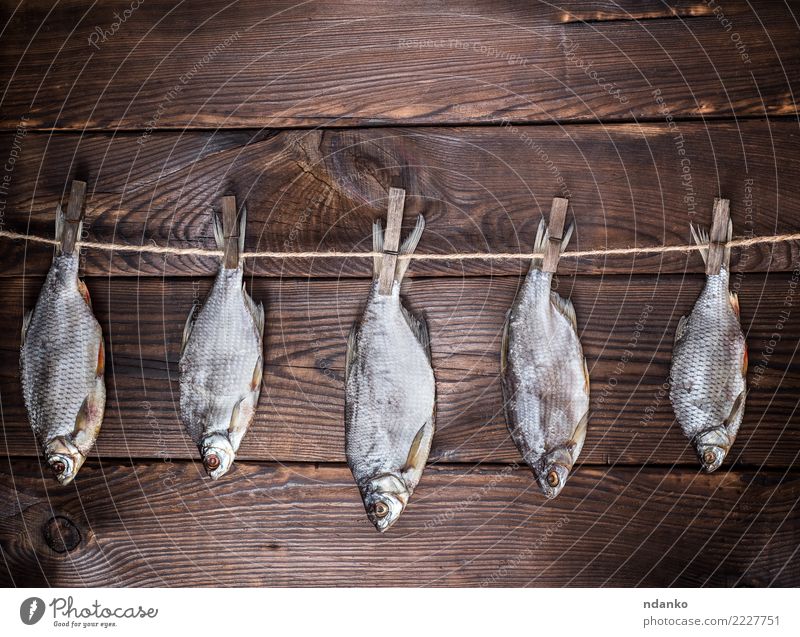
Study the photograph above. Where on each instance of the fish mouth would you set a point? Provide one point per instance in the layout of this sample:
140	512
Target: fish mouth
552	479
64	460
712	448
710	457
218	455
385	498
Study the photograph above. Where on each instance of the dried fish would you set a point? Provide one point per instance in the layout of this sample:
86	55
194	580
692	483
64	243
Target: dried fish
221	361
62	361
390	395
544	377
709	365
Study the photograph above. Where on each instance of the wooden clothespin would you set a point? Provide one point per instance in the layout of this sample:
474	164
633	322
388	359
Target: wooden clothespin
391	240
230	232
555	231
718	236
73	218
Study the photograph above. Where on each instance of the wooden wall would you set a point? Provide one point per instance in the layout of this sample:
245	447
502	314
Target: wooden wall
483	111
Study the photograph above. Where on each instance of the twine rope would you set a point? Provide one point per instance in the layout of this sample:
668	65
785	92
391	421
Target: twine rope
463	256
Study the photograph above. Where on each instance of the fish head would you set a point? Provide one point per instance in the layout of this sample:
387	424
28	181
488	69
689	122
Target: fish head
552	472
385	498
712	446
64	459
218	454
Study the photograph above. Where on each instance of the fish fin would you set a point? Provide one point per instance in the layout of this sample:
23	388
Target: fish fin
736	410
101	360
726	255
258	372
233	425
419	327
504	343
700	237
415	461
565	307
352	351
242	230
377	246
586	378
89	417
219	237
187	328
61	221
256	311
734	301
84	292
408	247
26	323
579	436
745	361
681	329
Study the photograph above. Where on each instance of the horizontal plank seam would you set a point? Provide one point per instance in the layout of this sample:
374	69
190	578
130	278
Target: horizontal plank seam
11	126
689	467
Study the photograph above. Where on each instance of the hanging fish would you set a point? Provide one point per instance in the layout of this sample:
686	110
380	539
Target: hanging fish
390	395
709	365
221	362
62	359
544	377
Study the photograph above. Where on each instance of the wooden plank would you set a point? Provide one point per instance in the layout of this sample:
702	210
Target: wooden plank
626	326
482	189
328	63
299	525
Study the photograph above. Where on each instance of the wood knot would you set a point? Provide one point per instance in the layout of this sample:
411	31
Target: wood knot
61	534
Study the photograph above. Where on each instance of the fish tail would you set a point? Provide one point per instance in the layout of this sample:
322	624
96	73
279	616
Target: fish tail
377	246
543	237
700	237
242	228
219	237
408	247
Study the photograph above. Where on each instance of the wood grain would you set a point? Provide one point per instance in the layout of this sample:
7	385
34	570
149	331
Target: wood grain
163	524
626	326
247	64
482	189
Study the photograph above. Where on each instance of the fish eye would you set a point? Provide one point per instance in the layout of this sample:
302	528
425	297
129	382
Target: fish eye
58	467
381	510
709	457
552	478
211	461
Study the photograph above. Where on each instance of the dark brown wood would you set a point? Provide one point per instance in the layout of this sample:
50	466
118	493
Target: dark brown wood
230	232
555	232
75	66
626	324
718	236
166	524
73	217
481	189
391	239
